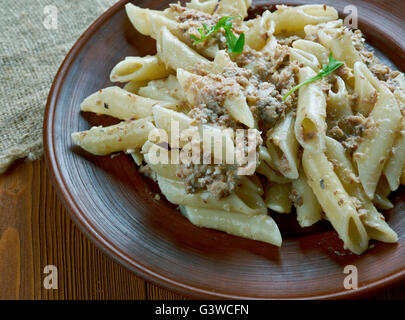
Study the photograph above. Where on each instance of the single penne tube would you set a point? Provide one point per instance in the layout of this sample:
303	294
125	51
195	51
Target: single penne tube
396	163
139	69
338	101
221	62
337	205
339	41
306	204
375	148
207	6
305	58
142	19
374	222
392	170
283	147
177	55
382	192
365	84
271	174
318	50
233	7
167	89
175	192
253	183
166	170
126	135
277	197
260	30
121	104
258	227
310	124
290	19
235	102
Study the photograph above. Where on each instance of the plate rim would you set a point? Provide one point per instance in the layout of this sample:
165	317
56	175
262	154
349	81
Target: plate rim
79	217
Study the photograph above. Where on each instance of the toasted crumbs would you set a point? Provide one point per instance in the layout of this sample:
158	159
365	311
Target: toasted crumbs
295	198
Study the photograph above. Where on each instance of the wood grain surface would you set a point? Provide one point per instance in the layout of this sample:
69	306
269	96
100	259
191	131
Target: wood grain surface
35	231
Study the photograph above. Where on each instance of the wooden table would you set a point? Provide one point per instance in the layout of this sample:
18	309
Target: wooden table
36	231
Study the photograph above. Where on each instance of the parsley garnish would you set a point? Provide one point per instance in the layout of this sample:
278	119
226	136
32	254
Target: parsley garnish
327	69
234	44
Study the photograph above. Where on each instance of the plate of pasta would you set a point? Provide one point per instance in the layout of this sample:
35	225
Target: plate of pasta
230	149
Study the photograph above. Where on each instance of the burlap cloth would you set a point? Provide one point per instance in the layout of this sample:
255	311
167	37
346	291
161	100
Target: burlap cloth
31	50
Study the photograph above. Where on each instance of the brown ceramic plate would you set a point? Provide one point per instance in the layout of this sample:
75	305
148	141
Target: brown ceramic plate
114	205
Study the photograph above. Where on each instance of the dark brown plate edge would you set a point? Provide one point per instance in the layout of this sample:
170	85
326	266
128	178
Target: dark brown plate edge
107	247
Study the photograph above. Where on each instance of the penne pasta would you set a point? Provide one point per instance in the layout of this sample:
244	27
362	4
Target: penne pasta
306	204
175	192
365	84
289	100
235	102
260	30
177	55
283	147
121	104
277	197
374	222
310	124
289	19
374	150
335	202
258	227
139	69
207	6
316	49
305	58
233	7
121	137
167	89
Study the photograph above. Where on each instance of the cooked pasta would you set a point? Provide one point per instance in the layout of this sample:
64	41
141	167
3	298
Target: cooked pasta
239	119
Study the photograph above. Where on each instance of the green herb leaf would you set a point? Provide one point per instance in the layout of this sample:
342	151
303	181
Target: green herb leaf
234	44
327	69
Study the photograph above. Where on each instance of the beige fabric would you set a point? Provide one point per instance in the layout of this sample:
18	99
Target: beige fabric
30	54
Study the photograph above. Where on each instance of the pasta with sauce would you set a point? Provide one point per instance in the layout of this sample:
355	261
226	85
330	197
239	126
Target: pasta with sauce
235	116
